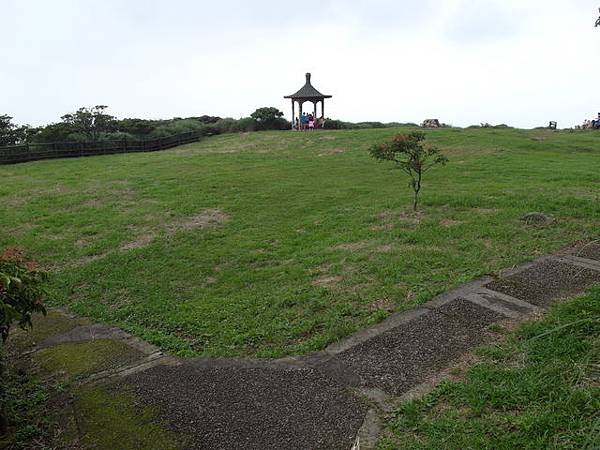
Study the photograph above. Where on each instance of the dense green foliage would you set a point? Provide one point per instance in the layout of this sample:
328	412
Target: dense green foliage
21	290
538	390
90	124
95	124
24	418
282	242
269	119
409	155
21	294
334	124
11	134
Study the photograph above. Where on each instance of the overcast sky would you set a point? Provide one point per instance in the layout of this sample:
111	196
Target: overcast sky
462	61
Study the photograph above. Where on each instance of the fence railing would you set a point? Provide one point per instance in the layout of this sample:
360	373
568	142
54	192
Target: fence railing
38	151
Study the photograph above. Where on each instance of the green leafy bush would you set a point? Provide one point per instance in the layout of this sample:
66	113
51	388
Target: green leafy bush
245	124
21	290
334	124
269	118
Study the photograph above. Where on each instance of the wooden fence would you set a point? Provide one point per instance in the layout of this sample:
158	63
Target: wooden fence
34	152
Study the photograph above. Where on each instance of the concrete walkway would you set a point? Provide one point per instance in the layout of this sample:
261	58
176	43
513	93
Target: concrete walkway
332	399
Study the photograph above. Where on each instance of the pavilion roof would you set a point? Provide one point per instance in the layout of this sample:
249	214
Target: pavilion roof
308	91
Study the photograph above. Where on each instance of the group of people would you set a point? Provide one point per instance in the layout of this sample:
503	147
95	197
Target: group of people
594	123
308	122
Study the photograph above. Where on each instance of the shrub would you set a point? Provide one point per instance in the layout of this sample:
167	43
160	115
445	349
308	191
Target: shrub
363	125
269	118
226	125
21	290
333	124
245	124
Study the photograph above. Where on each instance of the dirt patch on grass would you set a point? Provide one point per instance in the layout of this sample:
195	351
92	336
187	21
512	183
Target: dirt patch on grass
19	231
448	223
387	248
94	203
486	210
382	304
80	262
333	151
352	246
389	218
202	220
327	281
15	201
140	242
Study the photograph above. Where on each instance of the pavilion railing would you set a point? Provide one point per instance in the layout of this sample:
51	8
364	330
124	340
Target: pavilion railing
38	151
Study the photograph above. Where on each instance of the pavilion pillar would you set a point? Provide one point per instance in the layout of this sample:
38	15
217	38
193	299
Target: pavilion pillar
315	110
293	114
300	114
323	108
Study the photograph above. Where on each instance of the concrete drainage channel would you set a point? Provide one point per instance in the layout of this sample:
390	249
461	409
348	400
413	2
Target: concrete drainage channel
337	398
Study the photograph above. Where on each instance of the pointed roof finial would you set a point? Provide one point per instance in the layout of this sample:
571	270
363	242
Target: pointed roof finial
308	92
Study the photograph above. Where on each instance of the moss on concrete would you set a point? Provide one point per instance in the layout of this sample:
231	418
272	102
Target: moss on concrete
54	323
108	420
85	358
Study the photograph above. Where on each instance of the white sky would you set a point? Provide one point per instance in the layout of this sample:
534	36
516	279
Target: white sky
521	62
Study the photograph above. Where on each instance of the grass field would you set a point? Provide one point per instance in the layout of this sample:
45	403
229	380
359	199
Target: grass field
278	243
540	389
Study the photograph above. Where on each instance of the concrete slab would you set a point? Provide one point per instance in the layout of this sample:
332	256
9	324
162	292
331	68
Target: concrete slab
506	301
589	250
252	408
401	358
581	262
547	281
93	332
501	303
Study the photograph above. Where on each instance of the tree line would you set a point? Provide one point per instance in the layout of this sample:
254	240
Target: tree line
95	124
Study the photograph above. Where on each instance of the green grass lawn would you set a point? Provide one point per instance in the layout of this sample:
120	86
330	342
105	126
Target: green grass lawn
540	389
278	243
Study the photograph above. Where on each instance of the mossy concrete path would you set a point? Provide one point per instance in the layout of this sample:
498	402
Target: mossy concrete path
127	394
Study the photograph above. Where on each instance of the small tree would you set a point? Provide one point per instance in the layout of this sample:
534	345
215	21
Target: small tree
11	134
6	130
91	122
269	118
409	154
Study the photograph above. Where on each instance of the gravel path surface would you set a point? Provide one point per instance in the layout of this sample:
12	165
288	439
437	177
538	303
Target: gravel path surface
403	357
253	408
546	282
318	401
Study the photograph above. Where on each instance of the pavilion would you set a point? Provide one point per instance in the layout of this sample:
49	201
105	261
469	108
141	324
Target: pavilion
307	94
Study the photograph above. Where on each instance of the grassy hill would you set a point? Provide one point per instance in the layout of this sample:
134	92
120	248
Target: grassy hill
280	243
